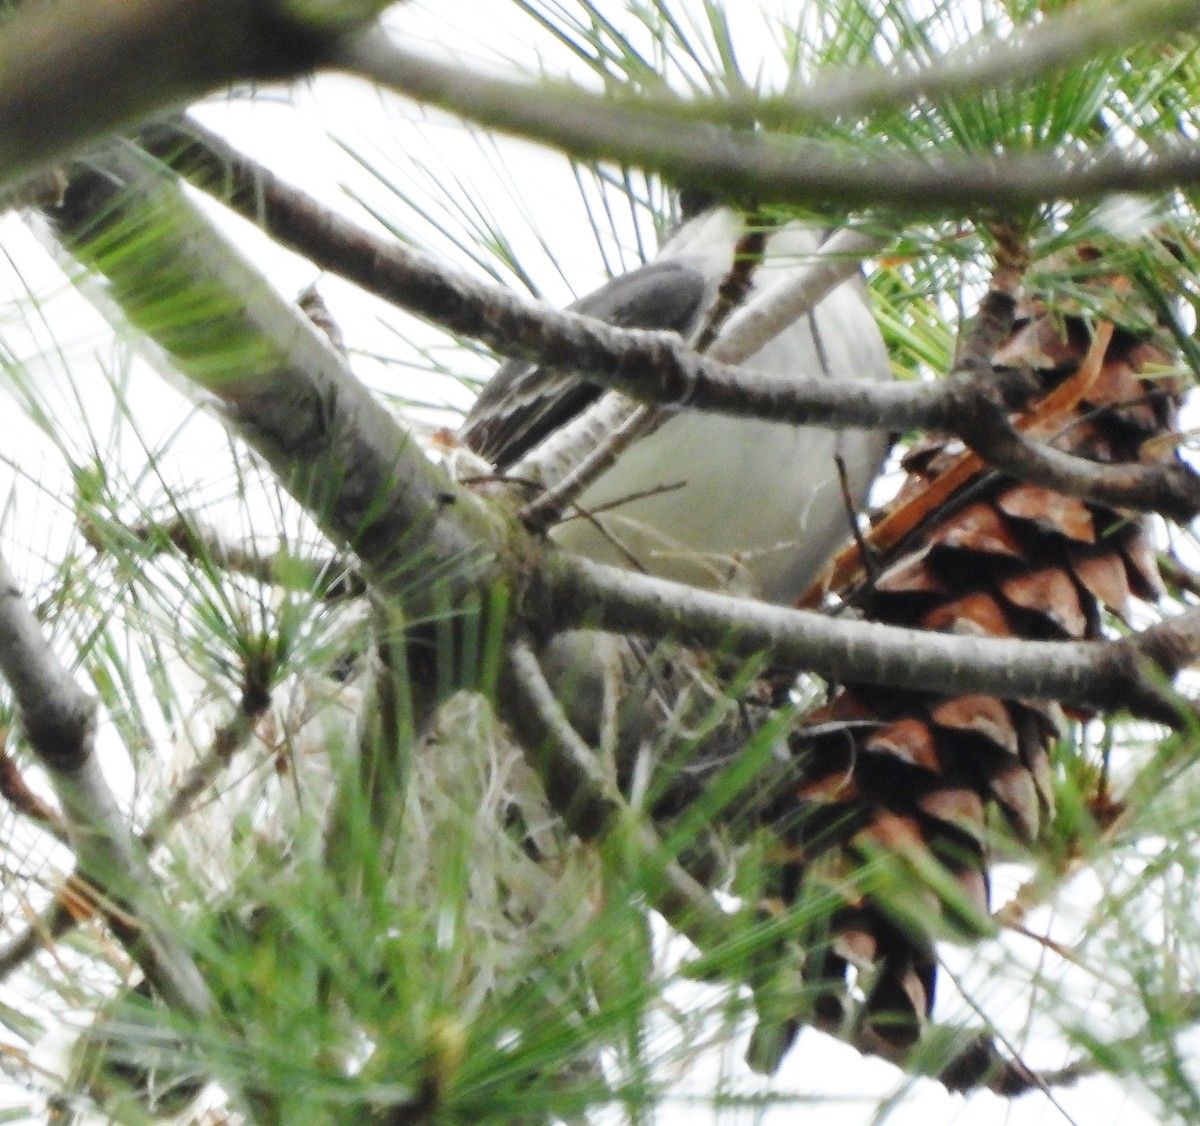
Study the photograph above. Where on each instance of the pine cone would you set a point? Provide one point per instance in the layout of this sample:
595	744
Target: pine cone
892	813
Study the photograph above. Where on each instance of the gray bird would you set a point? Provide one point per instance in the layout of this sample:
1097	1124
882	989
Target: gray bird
741	504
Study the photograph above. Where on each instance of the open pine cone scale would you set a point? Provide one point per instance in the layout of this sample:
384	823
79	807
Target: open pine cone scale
897	785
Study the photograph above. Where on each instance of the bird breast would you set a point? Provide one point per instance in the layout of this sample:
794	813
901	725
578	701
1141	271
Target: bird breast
745	505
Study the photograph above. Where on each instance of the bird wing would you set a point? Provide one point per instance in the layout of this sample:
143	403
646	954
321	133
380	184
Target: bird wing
521	404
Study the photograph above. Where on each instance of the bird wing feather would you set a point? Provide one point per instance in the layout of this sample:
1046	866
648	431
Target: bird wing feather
520	405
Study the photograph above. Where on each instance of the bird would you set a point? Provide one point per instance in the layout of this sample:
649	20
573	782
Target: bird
749	506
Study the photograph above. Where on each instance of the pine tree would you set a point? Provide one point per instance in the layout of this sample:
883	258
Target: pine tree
333	792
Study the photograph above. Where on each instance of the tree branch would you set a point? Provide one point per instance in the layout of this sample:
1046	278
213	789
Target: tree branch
71	72
1070	36
760	166
58	918
590	805
658	368
986	63
573	593
500	318
60	723
1170	488
367	484
332	578
281	385
18	794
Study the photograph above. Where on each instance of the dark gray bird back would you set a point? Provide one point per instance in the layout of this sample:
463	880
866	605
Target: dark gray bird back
522	403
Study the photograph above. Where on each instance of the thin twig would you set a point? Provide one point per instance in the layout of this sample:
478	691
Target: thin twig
18	794
59	720
596	807
762	318
735	287
332	579
60	917
1176	574
228	740
547	508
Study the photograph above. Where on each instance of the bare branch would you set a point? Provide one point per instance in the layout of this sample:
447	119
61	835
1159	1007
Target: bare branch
53	922
75	71
63	913
346	460
16	790
763	166
656	367
571	593
503	320
636	422
60	723
764	318
1171	489
1058	41
229	739
331	579
1070	36
282	386
282	405
590	805
969	404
